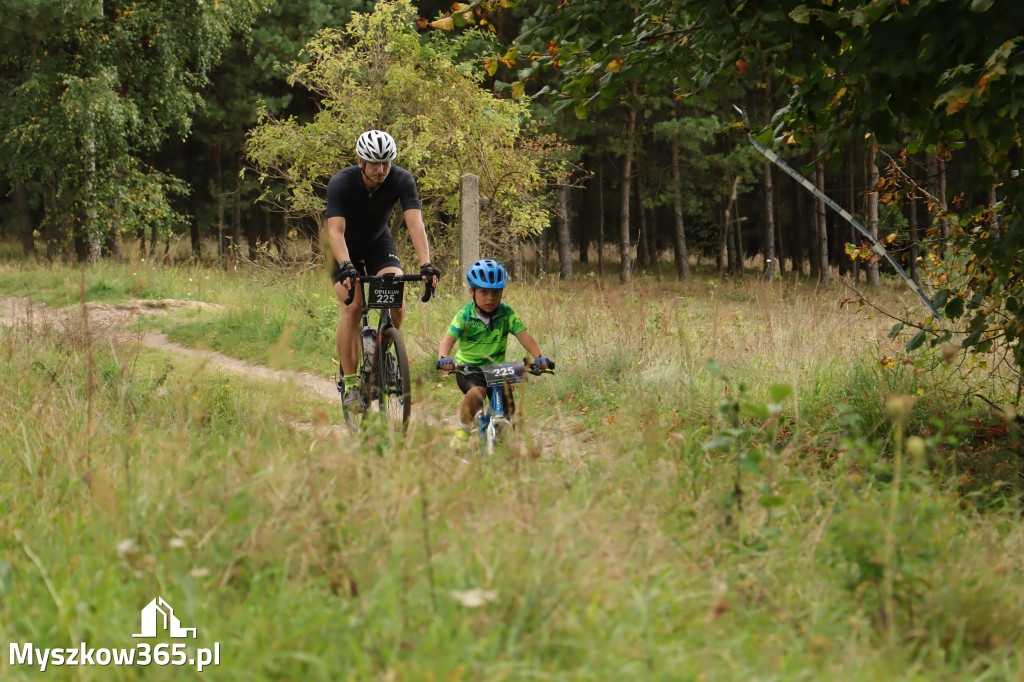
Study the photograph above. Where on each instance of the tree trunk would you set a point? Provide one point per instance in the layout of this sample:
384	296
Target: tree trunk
252	229
517	258
651	214
52	214
994	230
819	211
838	252
682	254
943	206
872	196
809	229
236	231
851	206
730	249
266	231
643	260
564	232
737	239
600	222
586	213
722	253
112	244
769	228
799	232
914	238
626	269
23	211
193	199
280	236
91	228
780	250
542	252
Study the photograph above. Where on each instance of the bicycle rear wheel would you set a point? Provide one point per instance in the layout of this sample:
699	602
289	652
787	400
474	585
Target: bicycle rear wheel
394	392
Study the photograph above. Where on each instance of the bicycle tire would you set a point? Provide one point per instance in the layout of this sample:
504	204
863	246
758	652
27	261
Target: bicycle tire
394	388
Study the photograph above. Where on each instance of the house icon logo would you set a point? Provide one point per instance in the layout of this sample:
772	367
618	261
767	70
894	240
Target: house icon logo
150	620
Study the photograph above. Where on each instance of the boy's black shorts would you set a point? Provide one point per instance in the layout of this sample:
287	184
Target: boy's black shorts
467	380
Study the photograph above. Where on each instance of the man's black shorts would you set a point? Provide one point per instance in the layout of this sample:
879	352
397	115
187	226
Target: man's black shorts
467	380
372	258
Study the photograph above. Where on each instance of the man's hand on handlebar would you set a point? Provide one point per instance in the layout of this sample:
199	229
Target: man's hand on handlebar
428	290
347	274
430	274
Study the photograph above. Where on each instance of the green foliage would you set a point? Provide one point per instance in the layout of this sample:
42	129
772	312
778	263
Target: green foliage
898	70
380	74
94	88
749	437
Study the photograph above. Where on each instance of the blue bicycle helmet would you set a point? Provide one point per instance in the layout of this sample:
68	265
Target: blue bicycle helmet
487	274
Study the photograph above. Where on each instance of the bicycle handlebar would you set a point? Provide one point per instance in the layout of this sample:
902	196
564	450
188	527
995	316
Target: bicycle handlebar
535	371
428	289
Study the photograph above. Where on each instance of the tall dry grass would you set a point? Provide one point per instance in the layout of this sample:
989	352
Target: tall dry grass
608	543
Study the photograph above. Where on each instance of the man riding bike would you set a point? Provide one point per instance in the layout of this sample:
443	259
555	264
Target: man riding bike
360	202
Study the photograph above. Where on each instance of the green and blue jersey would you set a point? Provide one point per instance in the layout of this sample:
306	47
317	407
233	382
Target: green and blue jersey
482	343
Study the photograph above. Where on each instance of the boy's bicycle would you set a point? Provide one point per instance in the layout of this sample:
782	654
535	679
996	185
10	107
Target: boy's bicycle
493	417
384	371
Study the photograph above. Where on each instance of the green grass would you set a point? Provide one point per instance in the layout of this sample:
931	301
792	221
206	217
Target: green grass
610	543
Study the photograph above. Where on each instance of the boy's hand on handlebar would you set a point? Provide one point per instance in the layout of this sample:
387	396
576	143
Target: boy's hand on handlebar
543	363
446	364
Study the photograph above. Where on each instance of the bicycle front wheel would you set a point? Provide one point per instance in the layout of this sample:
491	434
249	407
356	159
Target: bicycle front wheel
394	391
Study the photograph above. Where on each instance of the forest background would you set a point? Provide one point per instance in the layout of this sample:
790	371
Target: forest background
605	131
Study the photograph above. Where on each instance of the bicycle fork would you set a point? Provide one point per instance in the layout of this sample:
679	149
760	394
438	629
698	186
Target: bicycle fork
492	417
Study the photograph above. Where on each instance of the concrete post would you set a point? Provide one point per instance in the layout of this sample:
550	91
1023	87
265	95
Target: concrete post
469	236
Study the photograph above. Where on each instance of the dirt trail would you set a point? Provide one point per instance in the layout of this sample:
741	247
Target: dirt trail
109	319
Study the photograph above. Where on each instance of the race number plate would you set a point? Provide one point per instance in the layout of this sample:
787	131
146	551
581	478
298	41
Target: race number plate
504	373
384	294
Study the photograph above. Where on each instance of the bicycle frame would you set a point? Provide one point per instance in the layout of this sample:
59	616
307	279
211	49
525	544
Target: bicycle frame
378	380
492	419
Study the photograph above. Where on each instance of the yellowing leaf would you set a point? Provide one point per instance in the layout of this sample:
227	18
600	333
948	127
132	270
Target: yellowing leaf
890	238
490	66
839	96
517	90
444	23
983	83
509	59
614	66
955	99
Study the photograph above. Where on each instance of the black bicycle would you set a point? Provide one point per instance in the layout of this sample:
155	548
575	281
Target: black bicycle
384	371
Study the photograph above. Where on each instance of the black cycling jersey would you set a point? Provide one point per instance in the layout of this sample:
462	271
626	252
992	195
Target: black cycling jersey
367	213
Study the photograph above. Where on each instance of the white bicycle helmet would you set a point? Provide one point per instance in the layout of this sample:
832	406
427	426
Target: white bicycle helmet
376	146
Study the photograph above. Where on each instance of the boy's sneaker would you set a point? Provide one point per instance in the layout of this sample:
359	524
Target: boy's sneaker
460	439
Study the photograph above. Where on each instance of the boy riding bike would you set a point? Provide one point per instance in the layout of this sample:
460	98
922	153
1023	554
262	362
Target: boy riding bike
481	329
